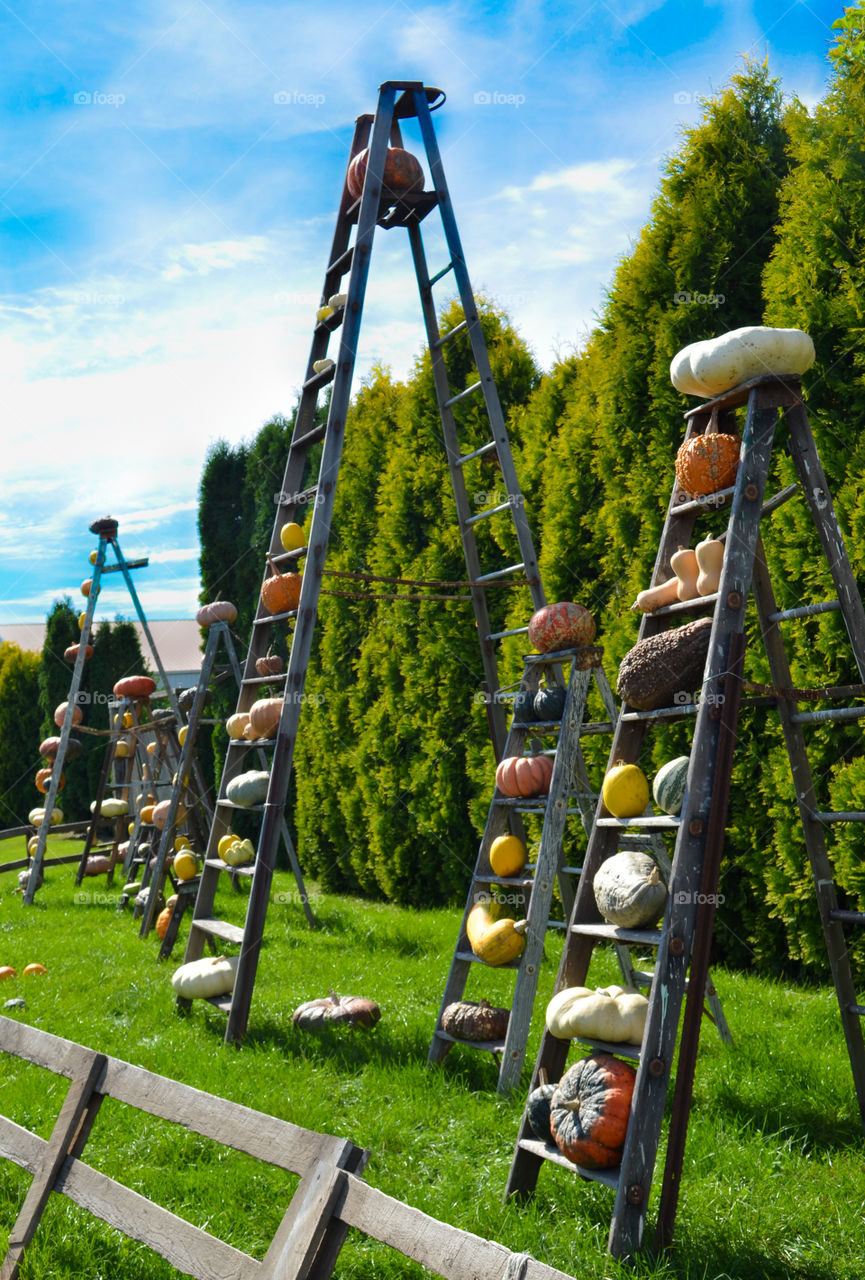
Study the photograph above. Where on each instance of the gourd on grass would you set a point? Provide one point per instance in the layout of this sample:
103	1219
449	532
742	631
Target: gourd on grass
352	1011
200	979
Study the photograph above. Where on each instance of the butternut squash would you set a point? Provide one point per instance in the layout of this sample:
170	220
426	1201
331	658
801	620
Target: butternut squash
710	560
684	566
494	941
655	597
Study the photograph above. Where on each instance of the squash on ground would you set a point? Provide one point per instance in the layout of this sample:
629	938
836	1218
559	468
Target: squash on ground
200	979
352	1011
470	1020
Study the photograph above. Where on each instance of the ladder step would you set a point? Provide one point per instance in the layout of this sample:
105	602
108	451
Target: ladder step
410	208
503	635
709	502
451	333
256	742
806	611
475	453
216	864
527	804
440	275
485	515
314	383
613	933
298	499
244	808
819	717
682	712
489	1046
847	917
317	433
274	617
548	1151
342	264
254	680
858	1009
471	958
222	1003
219	929
552	658
653	823
499	573
461	395
848	816
519	882
287	557
571	871
696	605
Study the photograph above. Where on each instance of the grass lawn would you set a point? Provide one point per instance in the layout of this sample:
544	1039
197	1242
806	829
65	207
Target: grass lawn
774	1182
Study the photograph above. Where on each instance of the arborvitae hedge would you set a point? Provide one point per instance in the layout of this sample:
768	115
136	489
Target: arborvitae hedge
393	765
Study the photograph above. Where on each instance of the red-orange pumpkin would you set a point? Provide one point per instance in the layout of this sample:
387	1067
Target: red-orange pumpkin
264	716
97	865
561	626
402	173
280	593
49	747
71	653
707	463
524	775
270	665
160	814
589	1110
134	687
60	714
162	922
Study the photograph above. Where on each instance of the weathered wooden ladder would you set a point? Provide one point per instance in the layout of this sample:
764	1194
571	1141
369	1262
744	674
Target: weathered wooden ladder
685	934
377	207
570	793
106	531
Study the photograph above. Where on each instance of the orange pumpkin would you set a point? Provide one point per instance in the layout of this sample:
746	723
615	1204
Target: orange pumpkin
60	714
524	775
43	781
71	653
134	687
264	716
402	173
281	592
162	922
270	665
590	1108
707	462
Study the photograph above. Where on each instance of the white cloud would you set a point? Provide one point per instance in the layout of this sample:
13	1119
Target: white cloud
218	255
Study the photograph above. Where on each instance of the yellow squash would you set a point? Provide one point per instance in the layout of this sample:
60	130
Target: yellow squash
494	941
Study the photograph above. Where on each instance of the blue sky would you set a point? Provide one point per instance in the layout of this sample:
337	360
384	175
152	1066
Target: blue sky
169	174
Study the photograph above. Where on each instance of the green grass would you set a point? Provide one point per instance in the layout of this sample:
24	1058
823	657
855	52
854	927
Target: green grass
774	1183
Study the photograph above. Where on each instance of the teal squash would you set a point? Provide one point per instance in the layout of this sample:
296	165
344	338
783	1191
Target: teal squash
523	705
668	787
248	788
538	1111
549	703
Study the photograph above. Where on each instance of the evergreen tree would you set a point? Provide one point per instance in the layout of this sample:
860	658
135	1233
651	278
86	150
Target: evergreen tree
55	677
19	723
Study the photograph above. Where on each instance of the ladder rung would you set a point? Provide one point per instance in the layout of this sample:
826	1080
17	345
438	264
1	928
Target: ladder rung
499	573
461	395
219	929
531	804
283	675
274	617
288	556
475	453
503	635
485	515
858	1009
806	611
553	657
572	871
653	823
244	808
851	815
217	864
297	499
340	265
547	1151
708	502
608	1046
473	959
694	605
681	712
519	882
490	1046
451	333
613	933
317	380
817	717
597	726
847	917
317	433
222	1003
440	275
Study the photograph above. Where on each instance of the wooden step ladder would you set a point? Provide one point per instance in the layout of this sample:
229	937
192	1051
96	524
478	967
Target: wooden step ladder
350	257
570	794
218	637
699	830
106	531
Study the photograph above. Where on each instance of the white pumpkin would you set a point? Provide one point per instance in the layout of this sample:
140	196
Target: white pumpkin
248	788
199	979
236	724
37	816
711	367
111	808
614	1014
629	890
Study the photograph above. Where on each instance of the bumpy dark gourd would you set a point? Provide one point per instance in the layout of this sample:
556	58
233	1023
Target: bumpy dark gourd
663	666
470	1020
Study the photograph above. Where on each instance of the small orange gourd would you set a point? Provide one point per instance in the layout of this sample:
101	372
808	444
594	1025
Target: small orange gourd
708	462
281	592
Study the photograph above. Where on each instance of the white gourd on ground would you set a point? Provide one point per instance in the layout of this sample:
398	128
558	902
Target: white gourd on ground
200	979
713	366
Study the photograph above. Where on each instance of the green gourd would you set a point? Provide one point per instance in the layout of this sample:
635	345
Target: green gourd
668	785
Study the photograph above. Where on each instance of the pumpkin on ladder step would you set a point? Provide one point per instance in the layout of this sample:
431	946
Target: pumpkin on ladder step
495	941
524	775
668	785
614	1014
629	890
248	788
590	1108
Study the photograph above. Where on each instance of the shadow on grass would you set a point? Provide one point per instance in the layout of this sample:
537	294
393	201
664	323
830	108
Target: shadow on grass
806	1128
704	1259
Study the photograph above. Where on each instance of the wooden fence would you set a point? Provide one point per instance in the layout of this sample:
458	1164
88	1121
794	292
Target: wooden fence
330	1197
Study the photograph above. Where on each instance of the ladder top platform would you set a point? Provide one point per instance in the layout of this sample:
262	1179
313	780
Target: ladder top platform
788	391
